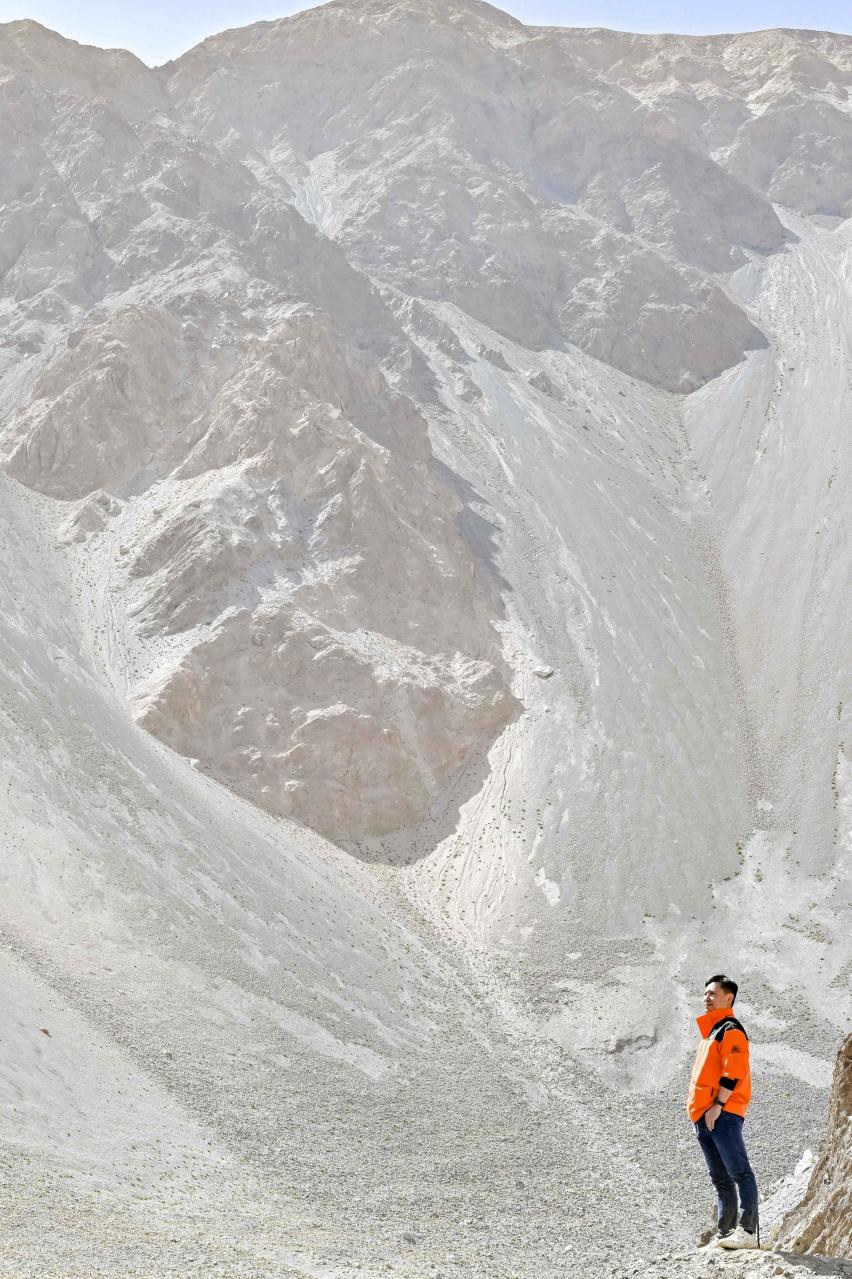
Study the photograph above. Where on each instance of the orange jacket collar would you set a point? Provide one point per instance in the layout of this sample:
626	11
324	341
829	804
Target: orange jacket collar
708	1020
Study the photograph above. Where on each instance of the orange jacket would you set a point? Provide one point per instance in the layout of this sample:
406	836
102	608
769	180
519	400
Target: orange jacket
720	1062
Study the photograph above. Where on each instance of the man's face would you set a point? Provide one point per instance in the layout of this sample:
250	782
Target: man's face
716	997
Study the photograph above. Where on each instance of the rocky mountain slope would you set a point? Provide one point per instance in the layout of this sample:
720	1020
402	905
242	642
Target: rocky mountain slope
426	632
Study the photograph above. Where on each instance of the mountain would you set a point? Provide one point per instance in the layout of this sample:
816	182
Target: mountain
426	631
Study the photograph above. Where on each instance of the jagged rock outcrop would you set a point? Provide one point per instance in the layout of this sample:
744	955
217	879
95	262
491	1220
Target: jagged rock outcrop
822	1222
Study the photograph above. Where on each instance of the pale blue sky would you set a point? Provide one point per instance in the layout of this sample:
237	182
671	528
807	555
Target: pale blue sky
157	30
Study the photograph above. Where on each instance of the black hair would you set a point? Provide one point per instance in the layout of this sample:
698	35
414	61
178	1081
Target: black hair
727	983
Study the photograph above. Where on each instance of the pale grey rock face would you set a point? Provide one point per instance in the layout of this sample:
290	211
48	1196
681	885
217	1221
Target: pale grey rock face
476	162
216	367
822	1222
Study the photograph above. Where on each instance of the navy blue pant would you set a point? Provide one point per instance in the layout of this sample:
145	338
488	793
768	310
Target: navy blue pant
730	1171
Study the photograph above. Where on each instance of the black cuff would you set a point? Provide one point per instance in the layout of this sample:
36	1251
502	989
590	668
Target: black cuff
725	1082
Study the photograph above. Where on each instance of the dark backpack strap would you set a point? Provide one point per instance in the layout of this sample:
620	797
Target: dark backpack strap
730	1023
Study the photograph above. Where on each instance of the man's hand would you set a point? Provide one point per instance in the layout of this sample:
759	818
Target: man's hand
711	1115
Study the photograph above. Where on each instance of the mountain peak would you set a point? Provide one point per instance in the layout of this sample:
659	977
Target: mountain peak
340	18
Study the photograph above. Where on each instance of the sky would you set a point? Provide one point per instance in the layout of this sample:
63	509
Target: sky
157	30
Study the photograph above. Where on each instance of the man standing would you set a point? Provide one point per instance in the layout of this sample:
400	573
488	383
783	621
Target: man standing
719	1093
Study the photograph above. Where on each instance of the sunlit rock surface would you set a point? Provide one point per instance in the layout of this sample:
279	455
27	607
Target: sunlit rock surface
822	1222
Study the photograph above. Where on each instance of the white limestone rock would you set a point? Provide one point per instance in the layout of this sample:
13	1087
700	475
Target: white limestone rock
90	515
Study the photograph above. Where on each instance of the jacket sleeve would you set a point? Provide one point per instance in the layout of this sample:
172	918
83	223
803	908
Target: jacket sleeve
734	1048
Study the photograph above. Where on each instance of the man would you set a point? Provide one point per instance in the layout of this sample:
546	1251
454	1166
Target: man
719	1093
